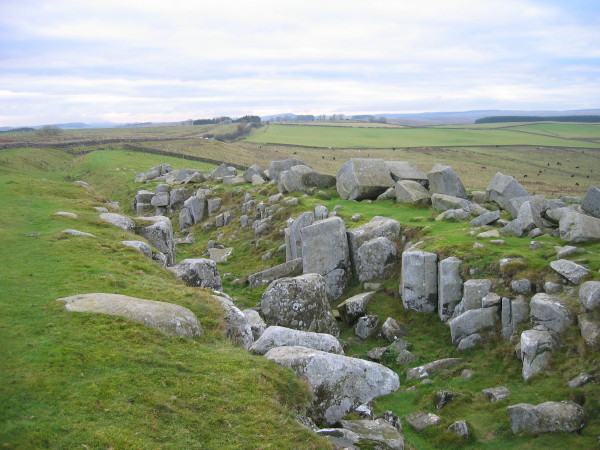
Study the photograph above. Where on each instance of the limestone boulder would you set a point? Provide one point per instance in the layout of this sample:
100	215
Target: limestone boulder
303	178
222	171
514	312
548	417
167	317
237	328
485	219
378	432
275	336
412	192
450	287
293	236
536	348
421	420
418	285
160	235
140	246
287	269
338	383
367	326
551	313
376	259
118	220
257	324
300	303
471	322
355	307
591	202
325	251
252	171
406	171
570	270
198	272
276	167
444	180
589	295
578	228
362	178
377	227
474	291
502	188
432	368
590	330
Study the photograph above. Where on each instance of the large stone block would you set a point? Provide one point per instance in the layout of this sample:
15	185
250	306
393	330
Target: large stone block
548	417
275	336
502	188
450	287
293	236
550	312
288	269
418	286
160	235
444	180
378	226
361	178
276	167
303	178
404	170
325	251
375	259
471	322
408	191
591	202
199	272
578	228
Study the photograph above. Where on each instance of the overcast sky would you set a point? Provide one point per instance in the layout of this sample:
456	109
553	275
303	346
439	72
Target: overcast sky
137	61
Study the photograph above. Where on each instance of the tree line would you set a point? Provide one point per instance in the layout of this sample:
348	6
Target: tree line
501	119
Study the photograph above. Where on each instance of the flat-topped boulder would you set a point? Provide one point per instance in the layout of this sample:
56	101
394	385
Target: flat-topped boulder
338	383
548	417
570	270
363	178
169	318
288	269
118	220
444	180
303	178
355	307
418	285
502	188
550	312
404	170
275	336
432	368
579	228
378	431
140	246
408	191
276	167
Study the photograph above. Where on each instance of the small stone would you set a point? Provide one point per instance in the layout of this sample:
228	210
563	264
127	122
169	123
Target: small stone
355	217
70	215
467	374
377	353
580	380
367	326
496	394
421	420
392	330
442	398
489	234
459	428
405	357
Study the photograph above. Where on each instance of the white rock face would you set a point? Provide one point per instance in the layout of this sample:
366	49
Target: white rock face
339	384
418	286
166	317
275	336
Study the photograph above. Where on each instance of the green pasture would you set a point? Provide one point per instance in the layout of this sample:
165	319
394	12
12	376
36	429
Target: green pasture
349	137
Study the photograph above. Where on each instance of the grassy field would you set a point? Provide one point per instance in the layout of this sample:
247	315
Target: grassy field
338	137
82	380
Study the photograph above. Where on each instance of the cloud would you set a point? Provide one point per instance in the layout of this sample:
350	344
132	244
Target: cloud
108	58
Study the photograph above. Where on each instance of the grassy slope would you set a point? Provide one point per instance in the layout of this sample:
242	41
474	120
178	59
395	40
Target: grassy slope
339	137
72	380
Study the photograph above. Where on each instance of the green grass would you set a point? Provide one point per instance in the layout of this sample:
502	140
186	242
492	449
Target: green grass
73	380
338	137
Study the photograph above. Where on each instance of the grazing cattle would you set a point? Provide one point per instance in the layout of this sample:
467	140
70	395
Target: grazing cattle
483	167
572	176
576	184
525	176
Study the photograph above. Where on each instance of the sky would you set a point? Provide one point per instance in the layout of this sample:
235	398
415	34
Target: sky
127	61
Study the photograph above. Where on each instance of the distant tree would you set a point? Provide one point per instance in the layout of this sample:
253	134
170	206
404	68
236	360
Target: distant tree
251	119
49	131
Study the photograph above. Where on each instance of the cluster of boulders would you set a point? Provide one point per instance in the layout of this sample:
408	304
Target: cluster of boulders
295	324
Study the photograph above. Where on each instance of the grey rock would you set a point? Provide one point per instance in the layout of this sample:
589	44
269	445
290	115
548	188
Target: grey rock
199	272
213	206
496	394
389	194
432	368
144	196
469	342
321	212
514	312
580	380
198	208
293	235
550	312
392	330
570	270
254	170
355	307
361	178
355	217
378	226
404	170
472	321
405	357
444	202
185	218
485	219
232	180
521	286
443	180
367	326
474	291
459	428
418	286
377	353
442	398
392	418
340	437
160	199
552	288
276	167
169	318
530	216
514	228
275	336
502	188
589	295
257	324
140	246
590	330
450	286
160	235
177	197
375	259
554	215
591	202
421	420
407	191
454	215
548	417
567	250
222	171
536	347
578	228
237	327
377	431
118	220
70	215
489	234
325	251
219	254
399	345
491	299
300	303
288	269
338	383
303	178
